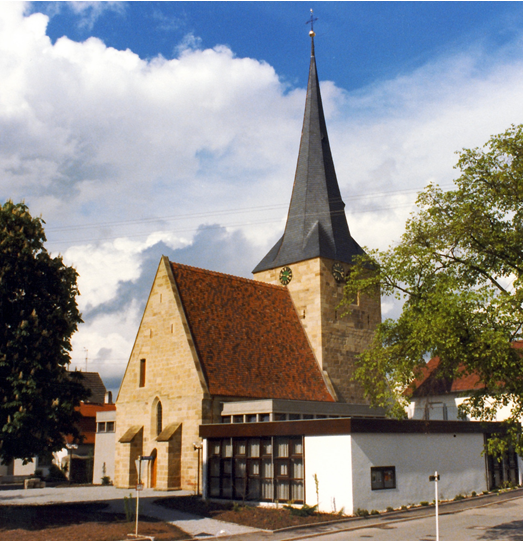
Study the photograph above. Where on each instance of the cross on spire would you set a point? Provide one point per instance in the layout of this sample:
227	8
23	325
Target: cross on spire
311	21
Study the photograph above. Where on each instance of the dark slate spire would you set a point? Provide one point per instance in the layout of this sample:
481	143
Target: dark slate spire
316	223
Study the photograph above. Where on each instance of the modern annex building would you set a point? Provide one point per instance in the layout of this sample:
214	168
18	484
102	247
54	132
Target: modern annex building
251	381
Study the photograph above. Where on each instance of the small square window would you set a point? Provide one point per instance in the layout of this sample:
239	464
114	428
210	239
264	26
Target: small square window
110	426
100	427
383	478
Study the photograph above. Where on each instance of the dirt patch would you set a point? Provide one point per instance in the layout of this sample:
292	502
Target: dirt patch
265	518
76	522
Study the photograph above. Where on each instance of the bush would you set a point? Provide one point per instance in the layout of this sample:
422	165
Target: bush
424	504
55	474
389	509
304	511
129	508
362	513
473	494
458	497
374	512
404	507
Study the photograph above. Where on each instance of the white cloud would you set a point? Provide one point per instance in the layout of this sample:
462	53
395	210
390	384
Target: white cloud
126	158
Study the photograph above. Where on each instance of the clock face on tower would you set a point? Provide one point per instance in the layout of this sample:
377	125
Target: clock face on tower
286	274
338	272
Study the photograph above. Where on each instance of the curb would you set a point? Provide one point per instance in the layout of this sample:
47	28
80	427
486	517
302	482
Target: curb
402	519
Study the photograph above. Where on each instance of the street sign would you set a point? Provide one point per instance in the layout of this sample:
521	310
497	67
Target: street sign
434	477
140	487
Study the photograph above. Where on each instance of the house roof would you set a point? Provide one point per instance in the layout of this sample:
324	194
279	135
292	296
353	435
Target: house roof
248	337
316	223
429	382
93	382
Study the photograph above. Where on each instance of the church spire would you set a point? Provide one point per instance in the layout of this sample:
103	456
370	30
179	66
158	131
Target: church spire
316	223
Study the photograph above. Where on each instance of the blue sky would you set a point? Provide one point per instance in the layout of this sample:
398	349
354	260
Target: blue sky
138	129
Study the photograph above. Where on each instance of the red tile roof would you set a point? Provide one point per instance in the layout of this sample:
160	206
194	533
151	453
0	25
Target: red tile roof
429	383
248	336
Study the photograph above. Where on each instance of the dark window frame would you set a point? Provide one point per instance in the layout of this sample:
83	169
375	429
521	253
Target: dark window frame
379	480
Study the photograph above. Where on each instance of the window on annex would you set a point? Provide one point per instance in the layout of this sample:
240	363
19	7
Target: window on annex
383	478
107	426
256	469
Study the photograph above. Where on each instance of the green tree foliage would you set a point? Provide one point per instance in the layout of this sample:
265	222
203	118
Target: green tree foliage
458	269
38	315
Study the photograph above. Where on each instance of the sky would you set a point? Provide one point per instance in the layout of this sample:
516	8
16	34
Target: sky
142	129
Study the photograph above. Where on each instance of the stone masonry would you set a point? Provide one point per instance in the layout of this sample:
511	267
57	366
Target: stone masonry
335	338
173	377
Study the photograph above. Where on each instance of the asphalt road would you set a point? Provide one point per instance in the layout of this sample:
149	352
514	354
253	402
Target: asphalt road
499	521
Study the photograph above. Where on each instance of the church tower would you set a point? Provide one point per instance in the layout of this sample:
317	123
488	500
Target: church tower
315	253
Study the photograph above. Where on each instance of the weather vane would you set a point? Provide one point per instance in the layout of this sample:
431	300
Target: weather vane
311	21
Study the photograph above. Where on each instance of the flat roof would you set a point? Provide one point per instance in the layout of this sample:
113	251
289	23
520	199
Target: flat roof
300	406
354	425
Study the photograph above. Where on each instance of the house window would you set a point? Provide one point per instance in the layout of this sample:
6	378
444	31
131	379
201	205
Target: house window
108	426
142	377
383	478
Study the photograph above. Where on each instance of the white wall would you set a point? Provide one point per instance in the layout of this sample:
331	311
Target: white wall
104	450
458	459
329	457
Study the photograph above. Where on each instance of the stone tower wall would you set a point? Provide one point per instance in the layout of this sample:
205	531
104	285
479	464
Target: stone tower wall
336	339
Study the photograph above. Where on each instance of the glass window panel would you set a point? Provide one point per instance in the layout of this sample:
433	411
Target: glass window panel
254	468
240	467
240	488
280	416
254	448
298	469
227	489
226	419
214	487
267	490
267	448
238	418
282	447
214	448
214	467
376	479
110	426
282	469
252	418
226	464
267	469
100	427
263	417
227	448
389	478
240	447
254	490
282	490
297	447
294	416
308	416
297	491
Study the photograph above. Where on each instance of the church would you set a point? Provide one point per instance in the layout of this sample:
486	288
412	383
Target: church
244	389
207	339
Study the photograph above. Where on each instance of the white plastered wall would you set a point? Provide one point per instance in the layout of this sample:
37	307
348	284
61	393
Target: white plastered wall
104	450
329	457
457	457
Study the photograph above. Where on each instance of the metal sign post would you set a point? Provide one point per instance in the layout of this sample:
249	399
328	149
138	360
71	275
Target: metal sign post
436	478
139	485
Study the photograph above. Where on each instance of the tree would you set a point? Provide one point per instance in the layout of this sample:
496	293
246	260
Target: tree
38	315
458	269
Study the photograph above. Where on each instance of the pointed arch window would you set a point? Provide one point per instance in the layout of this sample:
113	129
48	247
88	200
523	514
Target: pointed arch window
158	418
